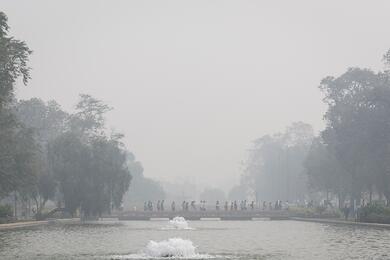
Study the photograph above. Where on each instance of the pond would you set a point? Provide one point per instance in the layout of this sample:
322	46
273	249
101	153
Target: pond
198	240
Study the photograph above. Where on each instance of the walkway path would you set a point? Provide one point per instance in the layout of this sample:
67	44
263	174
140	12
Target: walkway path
197	215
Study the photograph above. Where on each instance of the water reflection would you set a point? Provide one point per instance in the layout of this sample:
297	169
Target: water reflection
220	239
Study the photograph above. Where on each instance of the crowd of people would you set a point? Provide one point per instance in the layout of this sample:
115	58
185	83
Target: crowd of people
227	205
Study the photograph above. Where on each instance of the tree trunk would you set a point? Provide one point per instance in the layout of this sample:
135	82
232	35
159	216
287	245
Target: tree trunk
339	197
29	208
341	200
387	196
370	195
15	205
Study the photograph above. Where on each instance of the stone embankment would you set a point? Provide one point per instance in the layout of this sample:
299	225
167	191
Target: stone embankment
342	222
24	224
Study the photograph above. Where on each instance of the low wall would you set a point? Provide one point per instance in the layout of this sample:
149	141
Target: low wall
25	224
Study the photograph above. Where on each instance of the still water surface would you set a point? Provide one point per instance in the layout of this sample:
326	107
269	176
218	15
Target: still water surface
214	239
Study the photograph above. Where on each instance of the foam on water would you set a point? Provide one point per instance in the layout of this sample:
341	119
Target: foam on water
178	223
176	248
173	247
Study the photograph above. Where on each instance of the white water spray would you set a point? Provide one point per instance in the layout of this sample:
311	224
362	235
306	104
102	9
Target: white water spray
173	247
179	223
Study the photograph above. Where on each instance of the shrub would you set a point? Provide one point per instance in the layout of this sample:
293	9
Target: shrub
5	211
375	213
317	212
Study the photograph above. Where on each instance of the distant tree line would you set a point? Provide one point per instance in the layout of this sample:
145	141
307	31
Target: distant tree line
49	154
349	159
274	167
142	188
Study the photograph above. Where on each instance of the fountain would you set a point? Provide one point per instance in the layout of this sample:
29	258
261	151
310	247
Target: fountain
179	223
173	247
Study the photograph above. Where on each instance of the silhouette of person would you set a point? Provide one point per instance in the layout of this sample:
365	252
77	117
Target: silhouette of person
193	205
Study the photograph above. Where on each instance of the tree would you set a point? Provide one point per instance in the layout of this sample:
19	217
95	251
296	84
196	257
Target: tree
358	128
13	64
89	117
274	169
71	159
90	166
142	189
17	154
324	172
212	195
110	172
41	145
238	192
47	121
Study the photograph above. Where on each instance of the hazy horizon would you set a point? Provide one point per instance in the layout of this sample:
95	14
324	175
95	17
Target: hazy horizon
193	83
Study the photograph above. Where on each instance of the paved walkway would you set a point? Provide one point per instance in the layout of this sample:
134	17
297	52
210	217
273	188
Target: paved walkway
342	222
198	214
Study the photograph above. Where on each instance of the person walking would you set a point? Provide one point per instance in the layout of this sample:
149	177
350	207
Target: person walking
287	204
193	207
173	206
346	211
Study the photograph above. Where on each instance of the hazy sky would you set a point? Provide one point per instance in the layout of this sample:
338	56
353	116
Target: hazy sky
194	82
